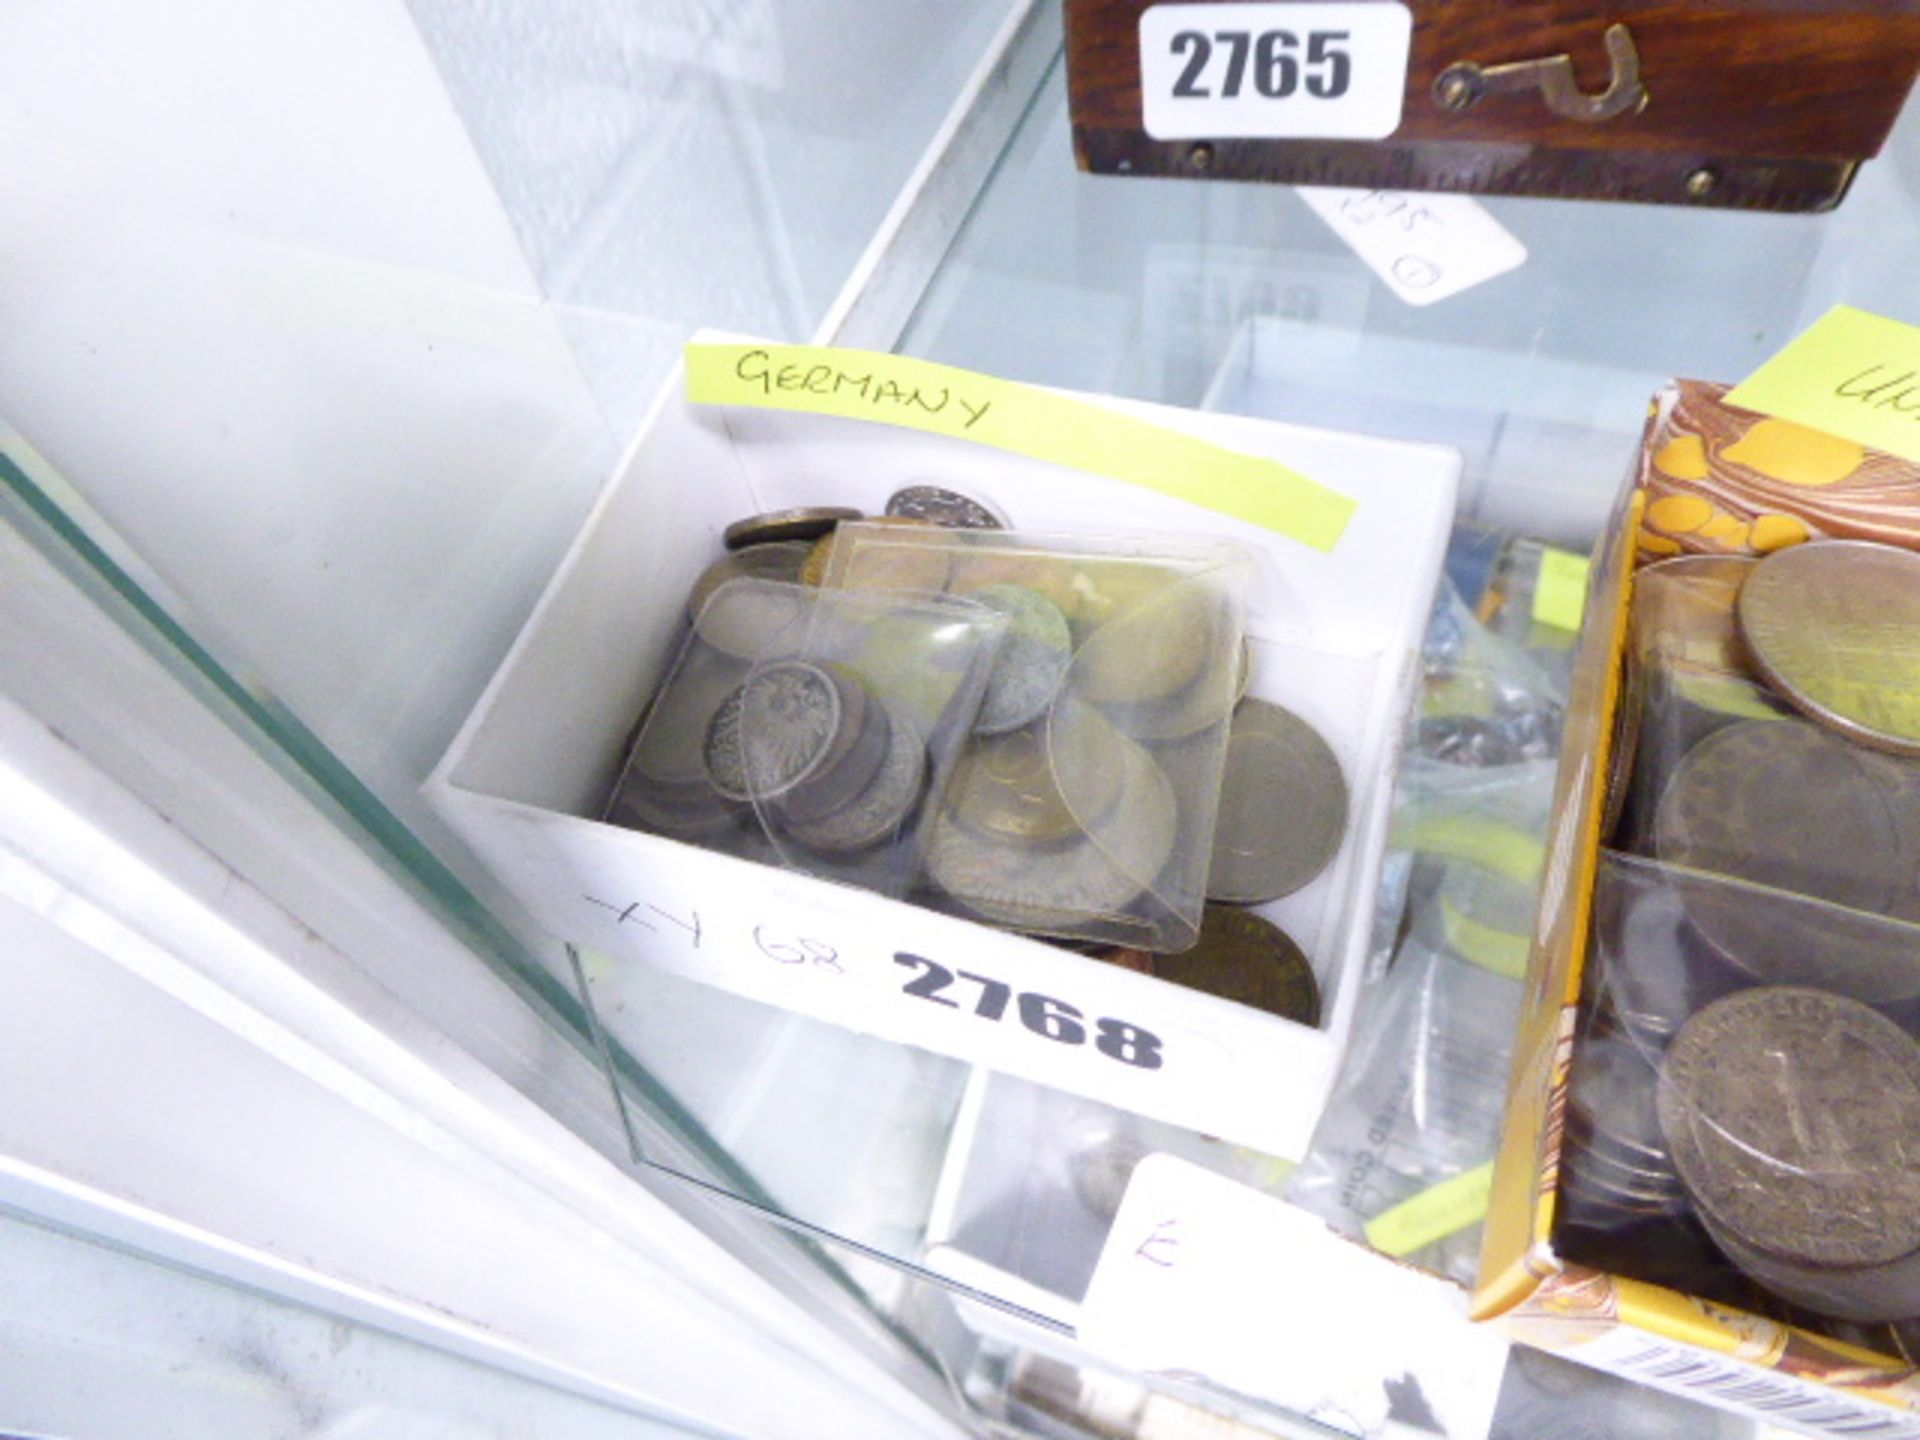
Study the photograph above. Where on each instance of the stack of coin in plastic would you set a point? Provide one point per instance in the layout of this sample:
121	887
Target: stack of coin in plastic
1101	731
1614	1156
752	758
1793	1119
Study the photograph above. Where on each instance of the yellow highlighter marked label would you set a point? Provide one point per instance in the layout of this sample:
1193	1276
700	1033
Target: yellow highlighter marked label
1560	591
1433	1214
1851	374
1006	415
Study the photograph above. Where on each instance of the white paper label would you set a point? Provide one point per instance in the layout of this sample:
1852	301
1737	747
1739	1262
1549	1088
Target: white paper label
1303	70
1205	1276
1425	247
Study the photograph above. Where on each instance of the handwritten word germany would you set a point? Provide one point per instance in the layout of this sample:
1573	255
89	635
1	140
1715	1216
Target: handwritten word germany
756	367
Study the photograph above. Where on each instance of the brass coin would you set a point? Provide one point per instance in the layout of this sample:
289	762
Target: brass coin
1061	890
1207	701
860	557
1032	661
1835	626
1283	807
1049	782
1246	959
1150	651
938	505
804	524
877	813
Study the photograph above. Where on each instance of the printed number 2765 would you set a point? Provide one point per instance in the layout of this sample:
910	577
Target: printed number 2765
1277	63
1042	1014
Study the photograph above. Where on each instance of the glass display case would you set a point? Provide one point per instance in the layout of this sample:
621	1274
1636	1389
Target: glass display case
327	339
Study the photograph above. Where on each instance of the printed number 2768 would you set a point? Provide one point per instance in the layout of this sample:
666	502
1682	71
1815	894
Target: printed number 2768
1042	1014
1277	67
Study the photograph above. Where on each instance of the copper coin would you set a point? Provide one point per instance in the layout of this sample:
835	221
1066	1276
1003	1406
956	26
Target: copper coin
758	601
1244	958
1283	807
808	523
1835	626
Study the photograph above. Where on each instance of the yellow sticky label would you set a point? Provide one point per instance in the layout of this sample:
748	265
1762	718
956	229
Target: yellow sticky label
1501	951
1560	590
1433	1214
943	400
1503	849
1850	373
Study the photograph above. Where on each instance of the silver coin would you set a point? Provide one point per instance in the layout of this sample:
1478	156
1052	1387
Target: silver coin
1793	1119
1032	662
1611	1097
940	506
1785	804
805	524
1835	626
776	730
1283	807
877	813
747	617
1061	889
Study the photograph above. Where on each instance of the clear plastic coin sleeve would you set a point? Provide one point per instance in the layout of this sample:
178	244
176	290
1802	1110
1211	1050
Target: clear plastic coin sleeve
1743	1112
806	728
1084	797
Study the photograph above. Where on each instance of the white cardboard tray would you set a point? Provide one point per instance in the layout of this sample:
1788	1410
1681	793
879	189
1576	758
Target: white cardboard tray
1336	638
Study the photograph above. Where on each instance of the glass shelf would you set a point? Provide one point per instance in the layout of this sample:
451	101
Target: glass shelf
1221	296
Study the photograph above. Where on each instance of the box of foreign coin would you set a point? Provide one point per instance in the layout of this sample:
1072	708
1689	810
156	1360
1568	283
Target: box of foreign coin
722	748
1710	1172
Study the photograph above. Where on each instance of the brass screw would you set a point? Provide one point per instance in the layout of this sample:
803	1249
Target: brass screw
1701	182
1201	156
1455	91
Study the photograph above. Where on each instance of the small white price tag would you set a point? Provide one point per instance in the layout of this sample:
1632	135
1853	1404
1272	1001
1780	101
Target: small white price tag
1425	247
1203	1275
1303	70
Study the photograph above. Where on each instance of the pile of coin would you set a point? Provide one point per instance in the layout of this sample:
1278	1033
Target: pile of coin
1115	701
1749	1065
1793	1119
802	759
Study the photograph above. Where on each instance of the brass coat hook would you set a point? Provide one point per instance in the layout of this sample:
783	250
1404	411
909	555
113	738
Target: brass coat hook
1460	86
